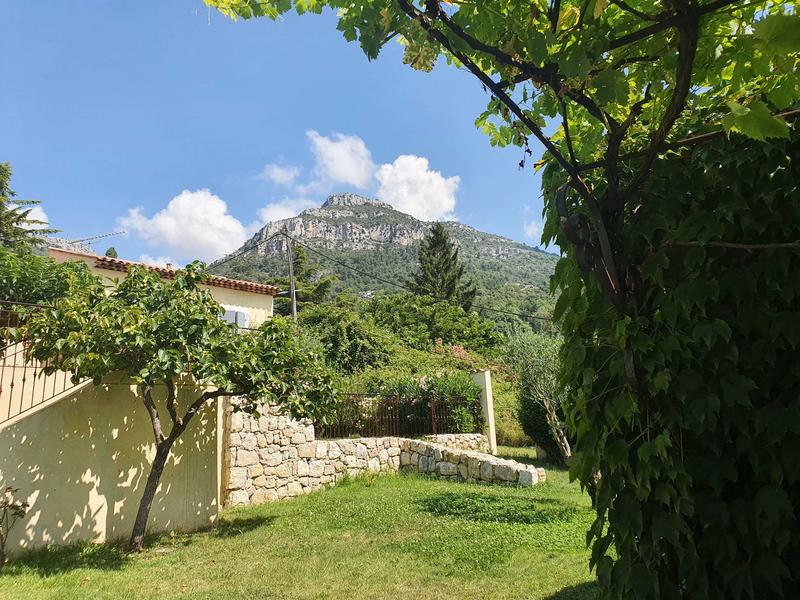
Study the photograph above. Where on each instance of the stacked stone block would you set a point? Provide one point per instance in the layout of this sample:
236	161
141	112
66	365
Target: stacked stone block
463	441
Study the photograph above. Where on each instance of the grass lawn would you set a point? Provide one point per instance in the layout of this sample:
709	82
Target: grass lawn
394	536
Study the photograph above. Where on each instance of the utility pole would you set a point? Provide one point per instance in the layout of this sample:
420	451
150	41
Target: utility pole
292	286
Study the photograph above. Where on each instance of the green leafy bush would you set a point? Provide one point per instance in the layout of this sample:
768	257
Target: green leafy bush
420	321
453	392
351	342
35	279
694	462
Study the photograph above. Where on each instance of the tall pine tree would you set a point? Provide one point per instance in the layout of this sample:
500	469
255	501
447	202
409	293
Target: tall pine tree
441	274
19	230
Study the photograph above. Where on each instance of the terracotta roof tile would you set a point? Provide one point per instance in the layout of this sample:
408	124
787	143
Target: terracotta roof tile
122	266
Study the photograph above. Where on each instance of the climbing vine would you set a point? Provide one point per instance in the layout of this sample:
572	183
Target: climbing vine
696	472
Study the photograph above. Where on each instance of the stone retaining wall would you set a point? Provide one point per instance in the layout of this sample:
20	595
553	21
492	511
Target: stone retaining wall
462	441
274	457
466	465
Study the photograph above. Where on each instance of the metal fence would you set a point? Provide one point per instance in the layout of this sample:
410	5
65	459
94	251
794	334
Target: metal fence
369	415
24	385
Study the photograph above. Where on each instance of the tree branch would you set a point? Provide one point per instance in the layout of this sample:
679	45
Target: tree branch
582	14
737	246
687	50
688	142
537	73
655	28
147	398
499	93
624	62
567	136
615	202
637	13
547	74
577	183
555	12
171	402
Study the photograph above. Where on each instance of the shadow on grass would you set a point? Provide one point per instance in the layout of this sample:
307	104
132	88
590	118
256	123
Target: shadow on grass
231	526
112	556
61	559
584	591
490	508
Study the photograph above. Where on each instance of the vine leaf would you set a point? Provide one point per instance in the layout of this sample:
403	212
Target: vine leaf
599	7
754	121
779	33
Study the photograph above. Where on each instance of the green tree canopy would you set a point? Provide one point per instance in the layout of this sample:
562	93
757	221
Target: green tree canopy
534	358
421	321
441	274
32	279
163	334
351	341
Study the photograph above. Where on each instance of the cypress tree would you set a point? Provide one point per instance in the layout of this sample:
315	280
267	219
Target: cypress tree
441	274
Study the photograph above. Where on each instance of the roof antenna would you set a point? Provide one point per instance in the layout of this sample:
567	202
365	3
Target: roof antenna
96	237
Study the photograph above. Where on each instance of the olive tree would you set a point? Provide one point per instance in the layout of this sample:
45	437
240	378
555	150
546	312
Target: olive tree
169	333
534	357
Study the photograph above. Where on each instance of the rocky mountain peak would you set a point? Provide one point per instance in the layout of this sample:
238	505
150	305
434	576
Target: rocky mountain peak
348	199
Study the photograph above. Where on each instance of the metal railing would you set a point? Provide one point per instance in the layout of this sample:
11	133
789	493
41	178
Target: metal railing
369	415
24	385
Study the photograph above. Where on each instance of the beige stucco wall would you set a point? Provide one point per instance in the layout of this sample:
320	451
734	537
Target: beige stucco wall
259	306
82	463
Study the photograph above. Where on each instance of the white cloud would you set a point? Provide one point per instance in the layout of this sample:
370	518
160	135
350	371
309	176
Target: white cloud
195	224
340	159
159	261
285	209
278	174
533	230
410	186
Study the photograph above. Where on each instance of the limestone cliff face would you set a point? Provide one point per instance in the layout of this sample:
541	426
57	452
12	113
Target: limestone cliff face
353	222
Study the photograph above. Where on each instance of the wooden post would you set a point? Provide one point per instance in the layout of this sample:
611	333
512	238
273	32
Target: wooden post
484	381
433	416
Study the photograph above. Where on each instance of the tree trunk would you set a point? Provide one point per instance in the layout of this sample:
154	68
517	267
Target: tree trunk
140	524
557	431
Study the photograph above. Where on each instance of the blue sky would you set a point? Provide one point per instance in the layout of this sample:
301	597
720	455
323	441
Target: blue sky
190	130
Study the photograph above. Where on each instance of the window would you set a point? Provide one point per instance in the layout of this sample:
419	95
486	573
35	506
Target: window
237	317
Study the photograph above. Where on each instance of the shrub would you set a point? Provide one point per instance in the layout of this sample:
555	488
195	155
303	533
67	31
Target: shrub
35	279
535	358
454	393
421	322
351	342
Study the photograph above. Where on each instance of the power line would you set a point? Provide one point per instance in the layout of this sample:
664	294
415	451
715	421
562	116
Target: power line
369	274
403	287
244	251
